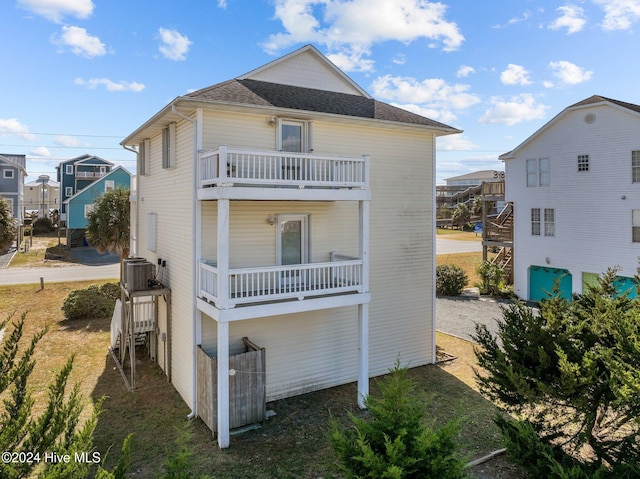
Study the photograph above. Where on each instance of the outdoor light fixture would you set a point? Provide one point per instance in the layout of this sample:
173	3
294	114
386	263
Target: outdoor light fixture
272	121
272	220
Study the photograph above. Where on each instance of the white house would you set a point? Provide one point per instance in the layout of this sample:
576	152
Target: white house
575	186
291	208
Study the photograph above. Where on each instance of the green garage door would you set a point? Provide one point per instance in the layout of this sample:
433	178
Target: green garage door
542	280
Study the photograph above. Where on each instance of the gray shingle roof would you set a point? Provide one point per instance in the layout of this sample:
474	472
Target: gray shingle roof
598	99
260	93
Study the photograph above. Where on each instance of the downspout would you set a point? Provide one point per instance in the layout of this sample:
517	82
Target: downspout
195	241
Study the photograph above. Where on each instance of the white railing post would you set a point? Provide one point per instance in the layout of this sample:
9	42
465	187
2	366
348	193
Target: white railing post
365	171
222	164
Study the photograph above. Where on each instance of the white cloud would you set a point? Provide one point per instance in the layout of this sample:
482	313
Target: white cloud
515	20
454	143
619	14
399	59
433	98
12	127
81	42
514	110
66	140
348	28
56	10
570	73
222	3
110	85
173	45
572	18
464	71
41	151
515	75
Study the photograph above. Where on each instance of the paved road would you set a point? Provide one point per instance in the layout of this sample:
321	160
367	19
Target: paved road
57	274
448	246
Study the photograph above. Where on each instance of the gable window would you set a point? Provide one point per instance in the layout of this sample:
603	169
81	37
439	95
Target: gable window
7	174
68	169
88	209
583	163
535	221
169	146
549	222
294	136
109	185
68	191
635	166
538	172
635	226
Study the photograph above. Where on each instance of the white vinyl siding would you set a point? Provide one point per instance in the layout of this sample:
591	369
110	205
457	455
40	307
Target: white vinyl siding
580	201
152	232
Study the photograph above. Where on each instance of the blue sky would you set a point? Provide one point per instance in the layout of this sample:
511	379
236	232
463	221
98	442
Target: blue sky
80	75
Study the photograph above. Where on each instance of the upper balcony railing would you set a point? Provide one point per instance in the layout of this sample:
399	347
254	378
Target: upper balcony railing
90	174
276	283
227	166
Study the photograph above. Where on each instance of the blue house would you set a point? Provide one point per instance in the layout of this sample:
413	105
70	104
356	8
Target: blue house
76	174
78	206
12	175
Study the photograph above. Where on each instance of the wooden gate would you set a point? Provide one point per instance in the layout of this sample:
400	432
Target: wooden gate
247	387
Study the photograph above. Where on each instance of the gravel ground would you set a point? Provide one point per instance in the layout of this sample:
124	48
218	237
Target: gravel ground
458	315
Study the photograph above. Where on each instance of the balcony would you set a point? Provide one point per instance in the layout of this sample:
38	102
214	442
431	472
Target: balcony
248	169
90	174
342	275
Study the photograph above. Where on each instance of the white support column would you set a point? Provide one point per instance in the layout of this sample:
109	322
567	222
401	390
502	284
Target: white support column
223	254
223	385
363	353
363	309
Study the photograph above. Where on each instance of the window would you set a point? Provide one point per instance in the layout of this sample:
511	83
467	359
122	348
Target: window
635	166
294	136
109	185
169	146
88	209
143	157
68	191
535	221
635	222
152	221
68	169
8	173
538	172
583	163
549	222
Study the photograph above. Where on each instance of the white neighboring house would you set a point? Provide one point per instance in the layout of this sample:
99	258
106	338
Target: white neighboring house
294	209
575	186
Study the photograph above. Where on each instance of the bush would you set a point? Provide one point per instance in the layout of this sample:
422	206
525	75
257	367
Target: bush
491	279
450	279
395	443
42	226
92	302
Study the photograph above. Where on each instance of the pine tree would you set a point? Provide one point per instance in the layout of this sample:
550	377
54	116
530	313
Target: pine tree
572	369
26	438
394	443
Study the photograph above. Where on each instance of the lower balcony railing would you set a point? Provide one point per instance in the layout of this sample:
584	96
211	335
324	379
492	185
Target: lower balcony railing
276	283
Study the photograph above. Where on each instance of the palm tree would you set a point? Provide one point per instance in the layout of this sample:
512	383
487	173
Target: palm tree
108	226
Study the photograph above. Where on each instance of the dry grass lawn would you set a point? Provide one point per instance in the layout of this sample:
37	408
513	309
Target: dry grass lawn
292	444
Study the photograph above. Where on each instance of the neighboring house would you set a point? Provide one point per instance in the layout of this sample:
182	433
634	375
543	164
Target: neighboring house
42	195
291	208
464	188
79	205
12	174
76	174
575	186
